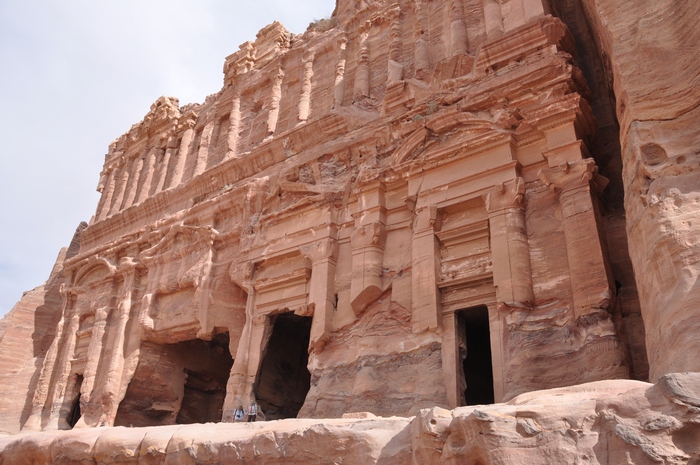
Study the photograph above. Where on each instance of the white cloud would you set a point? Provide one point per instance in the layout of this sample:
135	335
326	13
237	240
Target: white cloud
75	75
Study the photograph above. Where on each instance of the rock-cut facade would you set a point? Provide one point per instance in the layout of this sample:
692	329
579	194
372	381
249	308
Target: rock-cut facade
413	204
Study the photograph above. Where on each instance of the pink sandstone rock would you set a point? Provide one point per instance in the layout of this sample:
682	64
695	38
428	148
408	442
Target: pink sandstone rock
410	208
602	423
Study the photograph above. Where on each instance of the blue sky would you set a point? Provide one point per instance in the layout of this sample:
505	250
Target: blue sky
75	75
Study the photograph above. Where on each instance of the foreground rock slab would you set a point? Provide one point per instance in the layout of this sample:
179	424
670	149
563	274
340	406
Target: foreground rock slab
605	422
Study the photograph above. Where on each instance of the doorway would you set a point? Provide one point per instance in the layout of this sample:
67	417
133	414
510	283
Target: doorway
475	353
284	379
75	413
181	383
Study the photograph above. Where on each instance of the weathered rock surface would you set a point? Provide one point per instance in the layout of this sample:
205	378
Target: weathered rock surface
605	423
412	207
651	62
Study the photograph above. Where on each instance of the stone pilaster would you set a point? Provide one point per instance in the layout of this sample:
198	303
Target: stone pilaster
368	241
425	271
304	108
274	105
493	19
458	29
58	405
422	49
256	331
510	250
91	410
234	123
107	193
170	150
205	142
122	179
132	185
323	256
149	170
362	72
185	142
590	275
339	85
395	68
43	386
113	389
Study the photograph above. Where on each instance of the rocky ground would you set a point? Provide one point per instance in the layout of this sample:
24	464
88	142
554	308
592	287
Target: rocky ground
606	422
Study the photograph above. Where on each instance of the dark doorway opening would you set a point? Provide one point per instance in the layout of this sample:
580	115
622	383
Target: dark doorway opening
475	340
75	413
180	383
284	378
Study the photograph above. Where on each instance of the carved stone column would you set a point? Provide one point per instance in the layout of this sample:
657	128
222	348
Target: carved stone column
274	105
112	391
58	408
170	150
148	174
323	256
132	185
591	281
91	411
395	68
107	193
339	85
362	72
43	386
239	389
305	98
234	123
121	179
427	312
451	368
204	143
185	143
422	50
458	29
368	241
510	249
499	352
493	19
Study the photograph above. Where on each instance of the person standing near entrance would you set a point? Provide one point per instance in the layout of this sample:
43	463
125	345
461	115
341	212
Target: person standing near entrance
239	413
252	411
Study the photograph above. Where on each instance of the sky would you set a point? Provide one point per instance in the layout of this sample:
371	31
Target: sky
74	76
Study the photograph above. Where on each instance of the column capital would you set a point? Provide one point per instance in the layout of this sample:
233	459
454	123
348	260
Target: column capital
508	194
372	234
325	249
427	218
241	273
573	175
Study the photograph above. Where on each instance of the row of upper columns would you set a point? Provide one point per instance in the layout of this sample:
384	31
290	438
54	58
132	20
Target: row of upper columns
133	179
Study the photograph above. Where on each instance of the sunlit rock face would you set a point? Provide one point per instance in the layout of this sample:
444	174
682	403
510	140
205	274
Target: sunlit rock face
604	423
412	205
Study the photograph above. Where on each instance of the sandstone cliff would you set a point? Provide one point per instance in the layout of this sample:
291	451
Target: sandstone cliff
413	204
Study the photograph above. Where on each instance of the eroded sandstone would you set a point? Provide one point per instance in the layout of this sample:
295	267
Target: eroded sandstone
602	423
413	205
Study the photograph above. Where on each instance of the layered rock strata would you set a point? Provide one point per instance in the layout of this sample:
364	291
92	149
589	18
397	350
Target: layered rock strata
651	66
401	208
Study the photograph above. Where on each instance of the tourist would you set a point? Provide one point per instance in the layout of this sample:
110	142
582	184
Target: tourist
239	413
252	411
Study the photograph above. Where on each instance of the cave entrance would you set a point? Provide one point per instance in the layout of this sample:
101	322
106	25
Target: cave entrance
475	354
284	379
75	413
179	383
